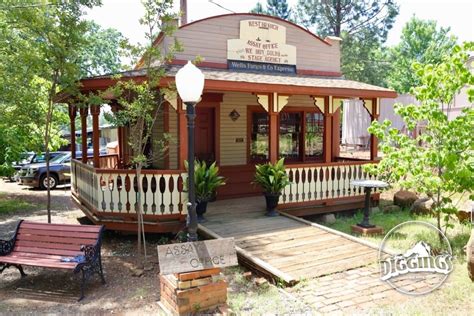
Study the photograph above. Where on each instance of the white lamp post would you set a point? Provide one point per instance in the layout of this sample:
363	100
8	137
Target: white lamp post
190	83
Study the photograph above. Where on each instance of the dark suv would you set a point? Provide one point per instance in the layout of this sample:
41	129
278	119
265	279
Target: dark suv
30	158
34	175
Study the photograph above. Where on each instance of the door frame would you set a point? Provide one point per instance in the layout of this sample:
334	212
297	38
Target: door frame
217	125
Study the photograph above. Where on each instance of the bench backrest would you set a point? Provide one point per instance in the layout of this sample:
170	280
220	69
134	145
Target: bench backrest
54	239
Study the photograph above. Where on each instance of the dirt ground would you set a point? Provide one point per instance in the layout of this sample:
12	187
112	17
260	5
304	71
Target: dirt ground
53	291
48	291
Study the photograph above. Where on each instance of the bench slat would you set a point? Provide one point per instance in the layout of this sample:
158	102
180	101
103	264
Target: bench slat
51	245
47	263
57	233
65	240
18	254
61	252
54	227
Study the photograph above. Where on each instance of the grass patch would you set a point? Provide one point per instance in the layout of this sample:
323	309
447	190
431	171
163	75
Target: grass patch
246	298
9	205
457	236
457	294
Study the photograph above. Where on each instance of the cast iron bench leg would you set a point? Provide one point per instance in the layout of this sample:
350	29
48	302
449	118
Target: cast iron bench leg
18	266
101	271
83	284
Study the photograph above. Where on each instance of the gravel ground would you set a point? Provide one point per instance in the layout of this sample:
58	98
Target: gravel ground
47	291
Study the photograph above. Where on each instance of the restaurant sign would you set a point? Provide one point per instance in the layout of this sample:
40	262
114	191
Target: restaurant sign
262	48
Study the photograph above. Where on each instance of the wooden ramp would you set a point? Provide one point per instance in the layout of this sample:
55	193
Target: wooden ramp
285	247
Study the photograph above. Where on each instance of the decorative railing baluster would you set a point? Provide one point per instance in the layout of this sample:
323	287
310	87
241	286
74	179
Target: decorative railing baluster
144	193
312	183
153	194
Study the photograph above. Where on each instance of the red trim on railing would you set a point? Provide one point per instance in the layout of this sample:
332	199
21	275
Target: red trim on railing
331	164
144	171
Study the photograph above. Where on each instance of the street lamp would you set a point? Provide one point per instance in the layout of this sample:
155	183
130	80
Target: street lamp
190	83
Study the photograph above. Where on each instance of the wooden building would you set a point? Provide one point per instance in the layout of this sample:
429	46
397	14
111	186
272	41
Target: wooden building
272	89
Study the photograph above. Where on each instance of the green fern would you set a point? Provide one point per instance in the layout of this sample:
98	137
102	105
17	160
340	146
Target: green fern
271	177
206	180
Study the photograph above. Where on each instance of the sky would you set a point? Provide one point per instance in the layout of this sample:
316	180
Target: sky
124	14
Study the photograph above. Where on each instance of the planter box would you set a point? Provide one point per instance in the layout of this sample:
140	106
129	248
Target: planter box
192	292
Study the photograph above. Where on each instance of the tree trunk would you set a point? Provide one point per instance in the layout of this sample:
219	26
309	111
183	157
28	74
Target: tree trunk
139	211
49	118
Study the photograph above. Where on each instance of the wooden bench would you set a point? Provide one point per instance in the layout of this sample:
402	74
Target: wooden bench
44	245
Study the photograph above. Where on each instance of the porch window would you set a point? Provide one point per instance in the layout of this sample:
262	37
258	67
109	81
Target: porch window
259	132
314	135
290	135
301	135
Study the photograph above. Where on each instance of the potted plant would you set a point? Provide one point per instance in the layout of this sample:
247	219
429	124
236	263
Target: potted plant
273	179
206	182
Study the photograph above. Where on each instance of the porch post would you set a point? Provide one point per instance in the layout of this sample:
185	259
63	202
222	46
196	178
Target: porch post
336	129
273	124
373	139
115	108
183	137
166	130
95	111
327	150
84	112
72	119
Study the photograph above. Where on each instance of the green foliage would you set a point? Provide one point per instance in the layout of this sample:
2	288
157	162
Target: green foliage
141	102
206	180
440	161
363	27
423	42
101	51
278	8
364	58
47	49
271	177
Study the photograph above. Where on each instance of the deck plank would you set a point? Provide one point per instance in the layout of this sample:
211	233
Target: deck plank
283	245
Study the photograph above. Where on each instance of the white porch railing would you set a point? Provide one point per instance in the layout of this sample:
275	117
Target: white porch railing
326	181
116	191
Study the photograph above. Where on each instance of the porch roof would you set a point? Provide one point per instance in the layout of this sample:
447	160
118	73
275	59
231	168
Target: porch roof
228	80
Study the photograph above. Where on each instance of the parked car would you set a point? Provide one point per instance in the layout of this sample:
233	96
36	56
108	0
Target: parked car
34	175
31	158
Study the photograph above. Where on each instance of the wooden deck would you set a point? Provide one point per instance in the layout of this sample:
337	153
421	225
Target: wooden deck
284	247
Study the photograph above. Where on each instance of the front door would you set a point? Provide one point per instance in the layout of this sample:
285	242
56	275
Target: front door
204	139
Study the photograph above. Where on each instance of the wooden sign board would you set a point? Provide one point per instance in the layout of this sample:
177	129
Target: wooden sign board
198	255
263	42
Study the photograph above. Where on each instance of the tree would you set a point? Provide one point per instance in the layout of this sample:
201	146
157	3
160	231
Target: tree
423	42
101	51
364	58
258	9
142	102
23	88
363	27
440	161
278	8
56	33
